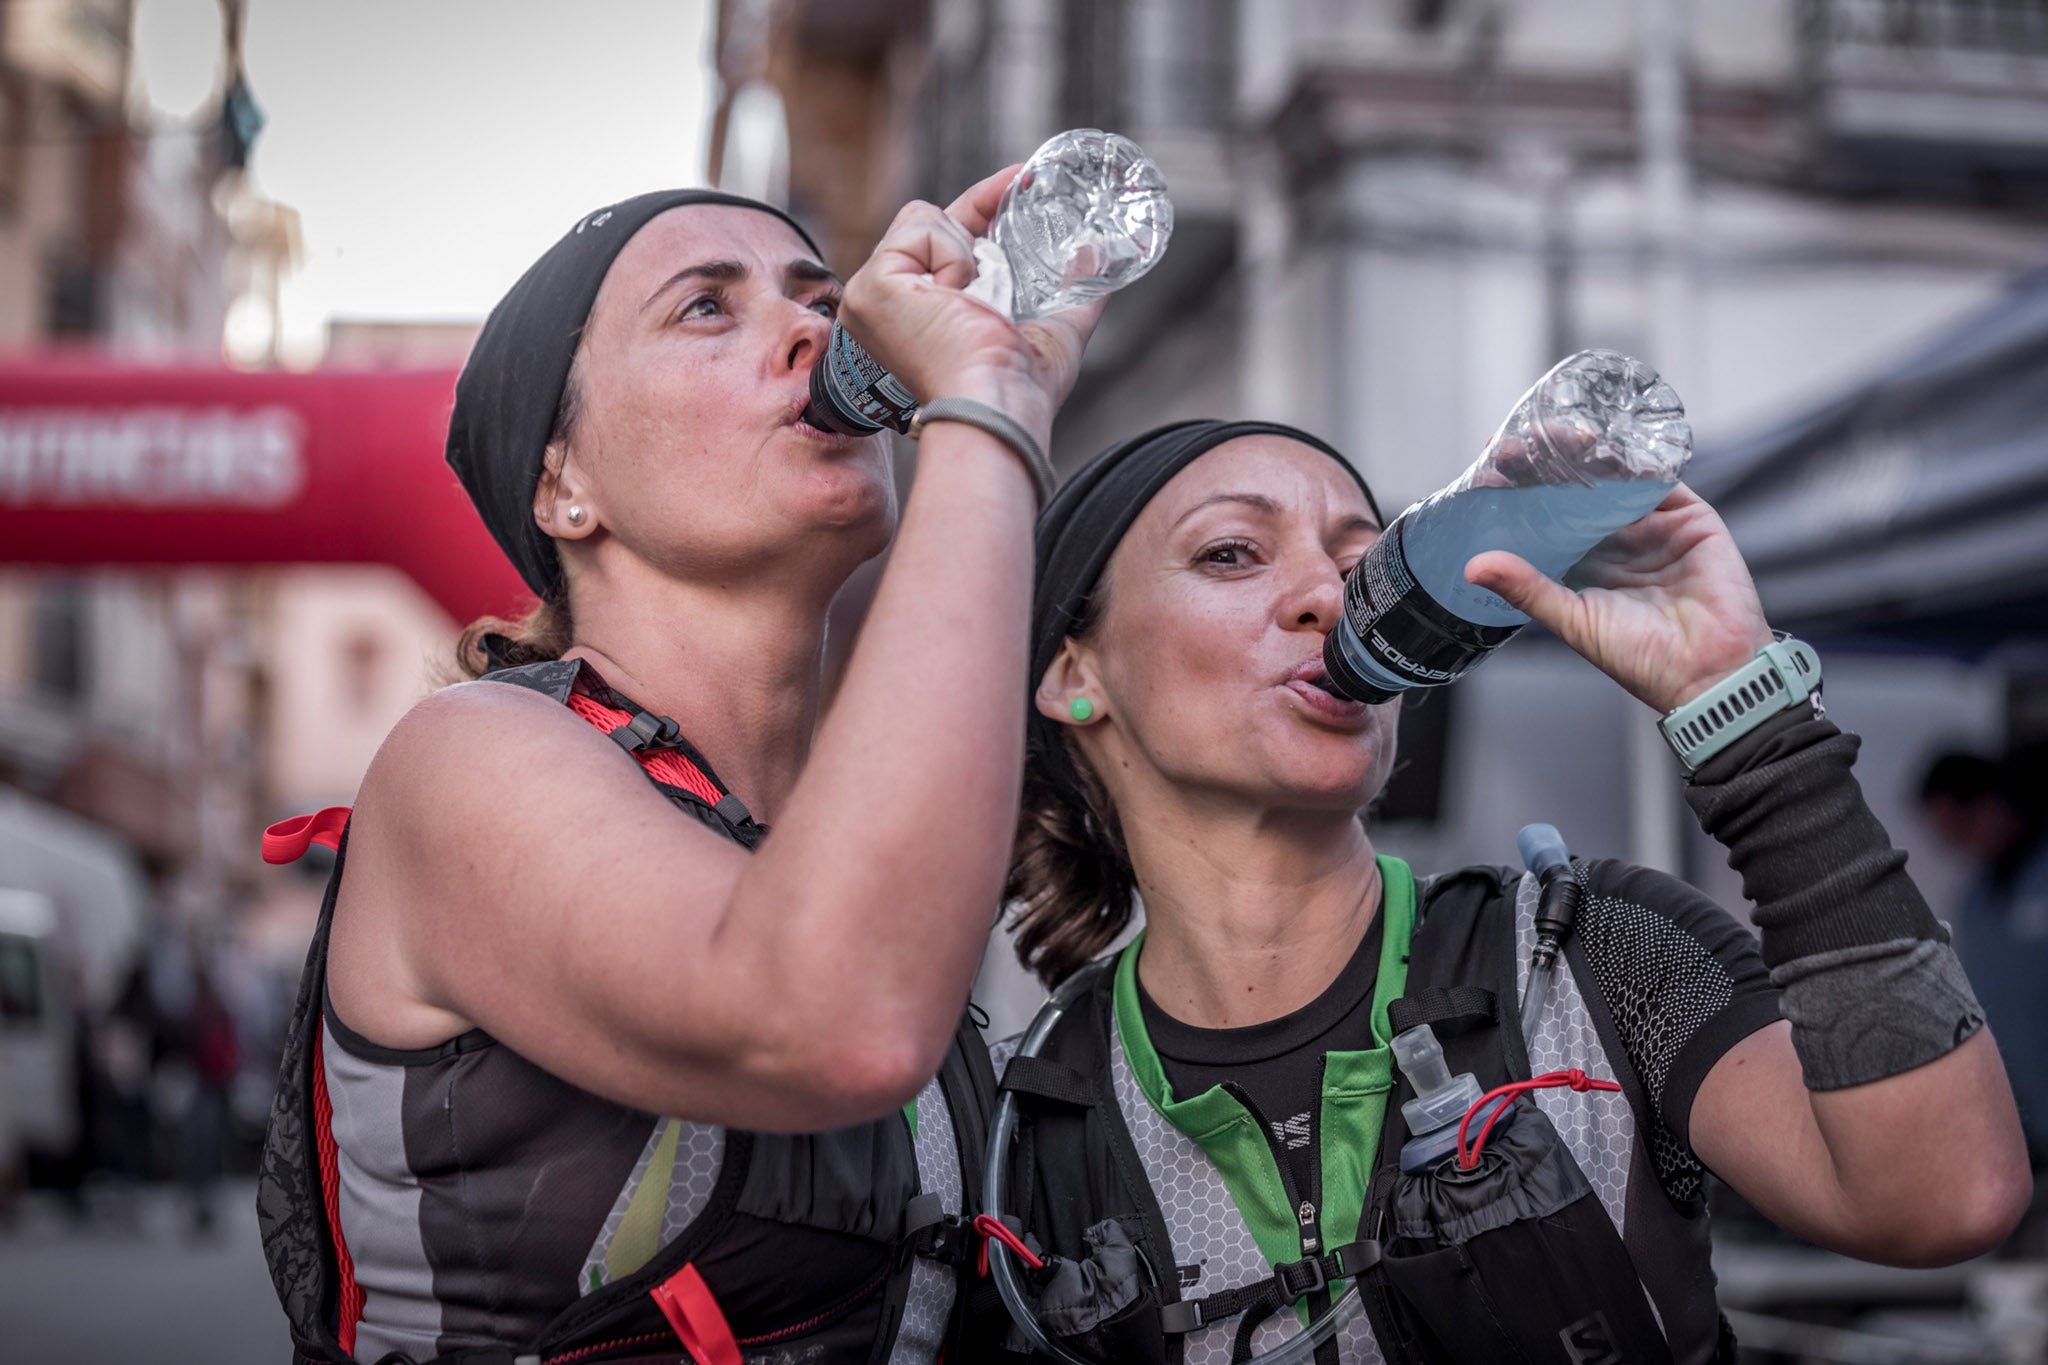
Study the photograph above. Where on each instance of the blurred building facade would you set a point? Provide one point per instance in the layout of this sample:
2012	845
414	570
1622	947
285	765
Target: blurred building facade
152	721
129	700
90	246
1391	215
1428	200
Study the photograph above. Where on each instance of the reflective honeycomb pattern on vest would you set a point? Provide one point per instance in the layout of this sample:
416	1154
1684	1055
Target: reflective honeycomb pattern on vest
1210	1239
1656	1013
670	1185
930	1304
1598	1127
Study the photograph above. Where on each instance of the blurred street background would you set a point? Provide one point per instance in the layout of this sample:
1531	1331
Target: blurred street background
245	244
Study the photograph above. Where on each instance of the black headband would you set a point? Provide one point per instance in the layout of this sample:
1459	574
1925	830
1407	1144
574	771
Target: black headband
511	387
1081	527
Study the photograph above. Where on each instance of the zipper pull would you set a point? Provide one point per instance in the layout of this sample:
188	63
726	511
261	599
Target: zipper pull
1310	1241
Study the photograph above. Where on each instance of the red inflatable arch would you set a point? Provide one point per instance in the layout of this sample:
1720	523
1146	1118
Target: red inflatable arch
105	464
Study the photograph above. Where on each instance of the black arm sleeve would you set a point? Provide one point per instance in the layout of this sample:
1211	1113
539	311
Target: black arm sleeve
1816	864
1870	984
1682	978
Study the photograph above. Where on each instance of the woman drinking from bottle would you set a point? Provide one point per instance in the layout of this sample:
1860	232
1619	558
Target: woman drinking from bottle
587	1066
1215	1154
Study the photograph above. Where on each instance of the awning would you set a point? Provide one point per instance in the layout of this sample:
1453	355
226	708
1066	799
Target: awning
1913	508
104	464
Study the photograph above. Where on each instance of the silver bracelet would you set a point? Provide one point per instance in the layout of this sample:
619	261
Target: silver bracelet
996	423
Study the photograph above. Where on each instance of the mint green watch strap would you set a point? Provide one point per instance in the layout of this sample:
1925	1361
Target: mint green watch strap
1784	673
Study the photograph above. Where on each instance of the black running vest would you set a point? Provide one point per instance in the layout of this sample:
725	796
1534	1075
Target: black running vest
460	1204
1093	1146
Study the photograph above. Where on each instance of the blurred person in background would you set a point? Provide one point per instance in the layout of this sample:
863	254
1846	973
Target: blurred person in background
1200	1126
128	1039
1991	811
213	1052
583	1064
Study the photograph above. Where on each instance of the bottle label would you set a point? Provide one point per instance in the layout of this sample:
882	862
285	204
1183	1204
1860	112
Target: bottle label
1404	629
857	386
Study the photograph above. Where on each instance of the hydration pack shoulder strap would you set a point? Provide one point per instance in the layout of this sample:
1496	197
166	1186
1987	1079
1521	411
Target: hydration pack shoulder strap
656	743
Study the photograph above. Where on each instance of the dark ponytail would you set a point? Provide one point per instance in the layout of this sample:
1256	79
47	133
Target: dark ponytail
1070	876
544	633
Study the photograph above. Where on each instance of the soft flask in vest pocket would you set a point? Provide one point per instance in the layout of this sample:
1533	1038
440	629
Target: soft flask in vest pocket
1103	1306
1515	1259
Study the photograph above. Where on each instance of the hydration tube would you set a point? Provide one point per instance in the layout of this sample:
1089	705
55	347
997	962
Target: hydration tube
1544	854
995	1178
1296	1350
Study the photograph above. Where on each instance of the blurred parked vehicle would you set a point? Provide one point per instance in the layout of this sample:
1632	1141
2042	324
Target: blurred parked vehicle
38	1090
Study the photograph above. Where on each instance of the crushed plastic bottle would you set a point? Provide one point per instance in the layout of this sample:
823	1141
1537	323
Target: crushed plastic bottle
1593	446
1086	216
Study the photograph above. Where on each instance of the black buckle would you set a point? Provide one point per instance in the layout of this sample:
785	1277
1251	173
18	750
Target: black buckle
1178	1319
646	731
933	1235
1311	1267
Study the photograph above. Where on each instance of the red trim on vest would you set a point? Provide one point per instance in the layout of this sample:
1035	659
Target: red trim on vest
663	765
287	840
349	1304
686	1301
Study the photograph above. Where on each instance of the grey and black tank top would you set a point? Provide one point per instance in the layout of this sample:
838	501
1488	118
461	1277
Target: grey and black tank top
479	1195
474	1200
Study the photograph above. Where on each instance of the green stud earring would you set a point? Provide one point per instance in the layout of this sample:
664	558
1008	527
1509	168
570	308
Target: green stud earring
1080	708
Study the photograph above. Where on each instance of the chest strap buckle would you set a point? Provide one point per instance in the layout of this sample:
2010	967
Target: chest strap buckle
1288	1282
1298	1279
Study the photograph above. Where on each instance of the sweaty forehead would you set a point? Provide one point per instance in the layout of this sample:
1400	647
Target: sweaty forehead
1300	480
695	234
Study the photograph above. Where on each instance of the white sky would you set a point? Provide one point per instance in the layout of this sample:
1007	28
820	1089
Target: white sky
434	148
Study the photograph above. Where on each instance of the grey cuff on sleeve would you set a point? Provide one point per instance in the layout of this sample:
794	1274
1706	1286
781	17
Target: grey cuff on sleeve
1864	1013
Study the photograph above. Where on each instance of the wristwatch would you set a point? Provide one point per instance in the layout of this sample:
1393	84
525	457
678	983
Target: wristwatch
1785	673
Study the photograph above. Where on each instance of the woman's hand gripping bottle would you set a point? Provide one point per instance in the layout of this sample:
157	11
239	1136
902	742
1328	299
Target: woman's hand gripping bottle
1086	216
1594	445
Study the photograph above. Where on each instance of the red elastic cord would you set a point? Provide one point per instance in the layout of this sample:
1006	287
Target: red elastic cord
348	1309
1575	1078
663	765
991	1228
686	1301
287	840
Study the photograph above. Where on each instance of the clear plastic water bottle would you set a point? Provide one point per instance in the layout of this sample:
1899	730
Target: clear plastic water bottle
1594	445
1086	216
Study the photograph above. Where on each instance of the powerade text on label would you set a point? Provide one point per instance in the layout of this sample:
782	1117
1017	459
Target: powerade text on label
1404	630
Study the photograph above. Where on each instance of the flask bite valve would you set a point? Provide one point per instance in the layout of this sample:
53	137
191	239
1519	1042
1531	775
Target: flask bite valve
1440	1102
1544	853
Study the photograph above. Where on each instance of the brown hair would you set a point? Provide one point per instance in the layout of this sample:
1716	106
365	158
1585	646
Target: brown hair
547	630
1069	872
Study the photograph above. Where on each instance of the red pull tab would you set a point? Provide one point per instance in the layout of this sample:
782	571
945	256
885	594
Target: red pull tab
287	840
686	1301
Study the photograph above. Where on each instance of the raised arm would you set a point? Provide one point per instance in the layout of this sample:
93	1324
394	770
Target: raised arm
815	983
1878	1121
